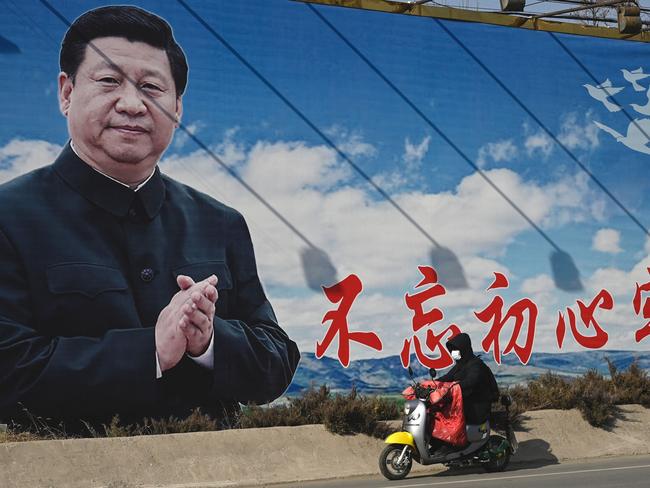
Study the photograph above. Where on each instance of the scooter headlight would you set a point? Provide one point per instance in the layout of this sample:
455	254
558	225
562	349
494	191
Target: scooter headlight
409	407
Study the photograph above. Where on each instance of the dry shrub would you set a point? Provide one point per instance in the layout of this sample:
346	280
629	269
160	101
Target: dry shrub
594	395
195	422
631	386
256	416
354	413
345	414
33	428
306	409
341	414
594	398
11	436
310	406
549	391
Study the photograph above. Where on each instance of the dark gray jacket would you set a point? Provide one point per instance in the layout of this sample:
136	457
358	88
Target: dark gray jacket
476	381
86	266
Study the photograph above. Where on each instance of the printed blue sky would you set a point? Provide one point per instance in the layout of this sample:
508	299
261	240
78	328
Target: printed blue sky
290	165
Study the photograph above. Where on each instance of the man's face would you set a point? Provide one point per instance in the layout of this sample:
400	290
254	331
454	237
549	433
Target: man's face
114	124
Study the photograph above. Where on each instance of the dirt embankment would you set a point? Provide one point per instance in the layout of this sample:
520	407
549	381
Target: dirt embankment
281	454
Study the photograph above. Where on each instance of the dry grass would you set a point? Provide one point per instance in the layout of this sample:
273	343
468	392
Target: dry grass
594	395
341	414
195	422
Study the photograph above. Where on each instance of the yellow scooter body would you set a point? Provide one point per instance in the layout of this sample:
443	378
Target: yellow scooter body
403	438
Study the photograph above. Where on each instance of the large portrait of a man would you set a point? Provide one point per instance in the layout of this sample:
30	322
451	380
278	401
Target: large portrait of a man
123	291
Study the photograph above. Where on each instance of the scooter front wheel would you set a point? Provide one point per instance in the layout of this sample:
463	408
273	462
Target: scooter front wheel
395	461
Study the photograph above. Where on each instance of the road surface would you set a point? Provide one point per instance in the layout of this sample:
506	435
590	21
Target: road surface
627	472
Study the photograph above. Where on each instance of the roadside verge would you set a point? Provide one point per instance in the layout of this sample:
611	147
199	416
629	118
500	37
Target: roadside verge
282	454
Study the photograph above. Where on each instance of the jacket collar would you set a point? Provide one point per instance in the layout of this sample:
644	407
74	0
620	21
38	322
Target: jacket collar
106	193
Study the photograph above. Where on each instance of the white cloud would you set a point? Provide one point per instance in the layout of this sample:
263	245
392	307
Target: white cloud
318	194
607	240
350	142
181	136
414	153
20	156
577	134
362	233
540	286
393	181
539	143
500	151
575	201
229	150
620	323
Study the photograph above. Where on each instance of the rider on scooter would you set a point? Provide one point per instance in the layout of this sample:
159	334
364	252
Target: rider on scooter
476	382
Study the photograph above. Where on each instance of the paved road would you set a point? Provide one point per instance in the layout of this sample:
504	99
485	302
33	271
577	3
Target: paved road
627	472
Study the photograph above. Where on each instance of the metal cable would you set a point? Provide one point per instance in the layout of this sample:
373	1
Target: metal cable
542	125
268	238
593	78
307	121
434	127
200	143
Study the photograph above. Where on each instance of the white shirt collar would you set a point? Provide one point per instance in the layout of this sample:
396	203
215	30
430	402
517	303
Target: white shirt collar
110	177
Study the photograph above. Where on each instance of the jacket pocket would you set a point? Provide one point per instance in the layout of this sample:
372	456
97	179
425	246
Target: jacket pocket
200	271
86	279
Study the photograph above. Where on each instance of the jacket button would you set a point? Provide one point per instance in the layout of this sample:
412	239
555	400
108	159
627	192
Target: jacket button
146	275
132	213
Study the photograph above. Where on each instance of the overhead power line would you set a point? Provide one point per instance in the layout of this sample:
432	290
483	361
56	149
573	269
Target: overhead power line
449	266
541	124
314	256
560	259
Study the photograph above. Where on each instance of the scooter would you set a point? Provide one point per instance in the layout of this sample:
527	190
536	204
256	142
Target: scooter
491	451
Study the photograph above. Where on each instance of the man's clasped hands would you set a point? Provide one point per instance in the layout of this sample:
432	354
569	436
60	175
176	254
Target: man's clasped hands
185	325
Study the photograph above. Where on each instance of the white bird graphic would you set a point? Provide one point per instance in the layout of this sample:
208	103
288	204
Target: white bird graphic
634	76
638	135
643	109
602	92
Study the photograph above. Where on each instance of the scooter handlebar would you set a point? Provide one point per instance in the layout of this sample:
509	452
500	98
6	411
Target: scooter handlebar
422	392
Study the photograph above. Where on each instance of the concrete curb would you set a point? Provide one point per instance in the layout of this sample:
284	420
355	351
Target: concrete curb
279	454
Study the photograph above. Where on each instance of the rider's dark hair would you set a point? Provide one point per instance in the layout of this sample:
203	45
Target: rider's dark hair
132	23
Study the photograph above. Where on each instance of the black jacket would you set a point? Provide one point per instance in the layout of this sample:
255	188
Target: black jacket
86	266
476	381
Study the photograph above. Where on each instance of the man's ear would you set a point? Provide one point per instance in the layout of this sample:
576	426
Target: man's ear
65	92
179	110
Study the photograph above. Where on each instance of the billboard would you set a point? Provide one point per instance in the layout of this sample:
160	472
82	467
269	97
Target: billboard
403	178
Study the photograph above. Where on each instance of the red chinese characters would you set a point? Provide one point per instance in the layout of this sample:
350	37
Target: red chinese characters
603	300
344	292
494	313
644	331
422	319
521	316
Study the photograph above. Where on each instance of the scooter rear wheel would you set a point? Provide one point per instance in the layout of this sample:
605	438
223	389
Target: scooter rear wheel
499	458
388	464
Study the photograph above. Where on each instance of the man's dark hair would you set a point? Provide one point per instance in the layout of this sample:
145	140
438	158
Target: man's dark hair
132	23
